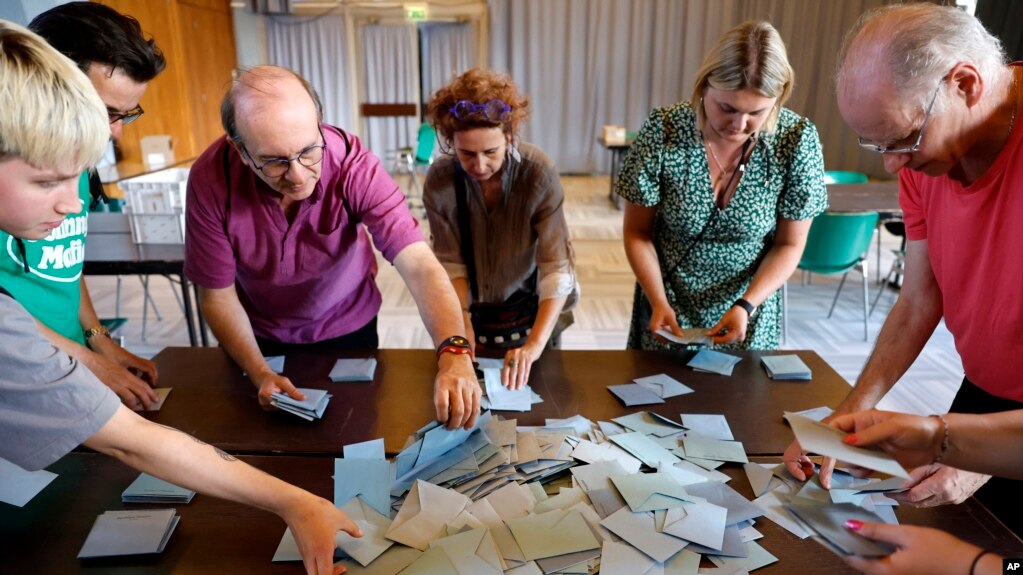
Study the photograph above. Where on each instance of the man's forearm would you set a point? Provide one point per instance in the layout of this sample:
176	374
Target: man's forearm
432	291
230	325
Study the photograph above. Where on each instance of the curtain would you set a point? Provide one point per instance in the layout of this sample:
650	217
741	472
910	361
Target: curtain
447	50
390	74
315	49
1002	18
587	63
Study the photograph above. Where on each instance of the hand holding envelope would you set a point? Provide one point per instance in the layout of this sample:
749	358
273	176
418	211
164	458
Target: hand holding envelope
825	440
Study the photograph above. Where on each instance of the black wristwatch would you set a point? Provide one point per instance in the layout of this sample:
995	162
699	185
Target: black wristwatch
745	305
455	344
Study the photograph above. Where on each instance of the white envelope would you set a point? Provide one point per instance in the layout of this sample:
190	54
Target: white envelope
372	544
425	512
624	559
701	523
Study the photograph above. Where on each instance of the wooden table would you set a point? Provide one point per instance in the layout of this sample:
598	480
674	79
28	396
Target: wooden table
215	402
217	536
870	197
111	251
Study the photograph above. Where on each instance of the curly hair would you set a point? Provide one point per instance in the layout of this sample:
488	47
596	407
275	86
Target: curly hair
477	86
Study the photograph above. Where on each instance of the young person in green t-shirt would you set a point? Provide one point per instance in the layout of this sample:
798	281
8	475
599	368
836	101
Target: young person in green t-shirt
46	275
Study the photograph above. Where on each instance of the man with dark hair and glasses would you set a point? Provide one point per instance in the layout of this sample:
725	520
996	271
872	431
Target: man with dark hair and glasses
929	88
276	239
46	275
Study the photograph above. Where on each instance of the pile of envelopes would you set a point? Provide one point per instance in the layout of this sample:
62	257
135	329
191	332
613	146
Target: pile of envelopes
310	408
639	494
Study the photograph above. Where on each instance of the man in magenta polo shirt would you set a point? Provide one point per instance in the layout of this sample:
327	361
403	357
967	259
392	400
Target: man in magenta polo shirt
275	244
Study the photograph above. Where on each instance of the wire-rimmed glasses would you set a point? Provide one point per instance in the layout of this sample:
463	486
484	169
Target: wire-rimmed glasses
277	167
891	149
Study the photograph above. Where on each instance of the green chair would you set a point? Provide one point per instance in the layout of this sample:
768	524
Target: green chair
837	244
836	177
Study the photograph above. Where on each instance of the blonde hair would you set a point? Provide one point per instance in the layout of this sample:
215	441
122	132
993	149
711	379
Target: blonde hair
751	55
50	114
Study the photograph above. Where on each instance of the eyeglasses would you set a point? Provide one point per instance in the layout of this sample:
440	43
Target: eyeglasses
277	167
126	117
883	149
495	110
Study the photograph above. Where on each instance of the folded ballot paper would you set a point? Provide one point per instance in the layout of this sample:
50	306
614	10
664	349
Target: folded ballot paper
312	407
827	523
788	366
133	532
501	398
149	489
690	336
711	361
357	369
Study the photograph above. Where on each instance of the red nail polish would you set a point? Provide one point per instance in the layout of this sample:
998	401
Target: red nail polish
850	439
853	524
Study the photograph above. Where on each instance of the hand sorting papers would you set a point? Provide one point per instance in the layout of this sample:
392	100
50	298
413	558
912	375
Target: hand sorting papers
501	398
783	367
710	361
825	440
312	407
690	336
161	394
130	533
149	489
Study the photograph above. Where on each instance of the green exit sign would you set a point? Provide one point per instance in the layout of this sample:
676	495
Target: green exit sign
416	13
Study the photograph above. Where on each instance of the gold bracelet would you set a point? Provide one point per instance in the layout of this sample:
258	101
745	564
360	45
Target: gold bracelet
94	331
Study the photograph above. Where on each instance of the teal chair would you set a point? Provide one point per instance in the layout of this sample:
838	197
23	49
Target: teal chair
836	177
837	244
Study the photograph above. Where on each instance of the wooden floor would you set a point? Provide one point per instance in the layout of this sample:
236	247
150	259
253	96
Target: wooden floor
603	313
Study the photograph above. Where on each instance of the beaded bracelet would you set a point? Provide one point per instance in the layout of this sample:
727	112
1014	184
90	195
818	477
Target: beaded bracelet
944	440
976	560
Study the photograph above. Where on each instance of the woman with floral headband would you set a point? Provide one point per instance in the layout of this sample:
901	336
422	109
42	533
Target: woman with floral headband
495	205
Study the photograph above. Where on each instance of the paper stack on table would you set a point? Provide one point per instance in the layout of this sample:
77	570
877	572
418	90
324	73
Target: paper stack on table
358	369
149	489
786	367
130	533
310	408
711	361
650	389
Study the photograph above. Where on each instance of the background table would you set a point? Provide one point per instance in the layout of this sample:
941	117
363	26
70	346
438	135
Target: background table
216	536
111	251
617	150
214	401
870	197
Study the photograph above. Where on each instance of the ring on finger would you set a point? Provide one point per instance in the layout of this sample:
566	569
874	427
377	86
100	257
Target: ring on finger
512	362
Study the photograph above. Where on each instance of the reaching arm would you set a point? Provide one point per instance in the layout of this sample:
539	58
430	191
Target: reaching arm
456	390
230	325
132	390
983	443
106	347
637	228
183	460
779	263
909	325
519	361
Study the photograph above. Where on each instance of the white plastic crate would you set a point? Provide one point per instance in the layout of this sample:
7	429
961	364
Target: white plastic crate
156	206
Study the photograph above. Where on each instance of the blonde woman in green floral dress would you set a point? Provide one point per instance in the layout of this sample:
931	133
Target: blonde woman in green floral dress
720	191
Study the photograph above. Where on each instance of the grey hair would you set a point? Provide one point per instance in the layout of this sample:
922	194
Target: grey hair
245	78
921	43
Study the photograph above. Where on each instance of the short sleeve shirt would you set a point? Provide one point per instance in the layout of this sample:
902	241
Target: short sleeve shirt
49	403
707	255
310	279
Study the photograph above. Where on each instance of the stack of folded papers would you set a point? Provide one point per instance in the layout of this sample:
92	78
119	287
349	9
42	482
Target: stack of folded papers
149	489
130	533
358	369
827	524
690	336
786	367
310	408
710	361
